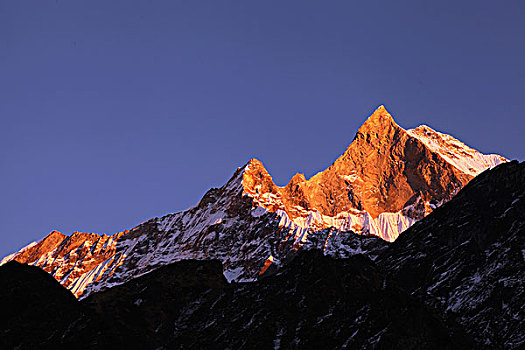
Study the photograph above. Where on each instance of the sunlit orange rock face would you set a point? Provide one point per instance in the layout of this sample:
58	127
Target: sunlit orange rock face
49	243
387	179
69	257
382	170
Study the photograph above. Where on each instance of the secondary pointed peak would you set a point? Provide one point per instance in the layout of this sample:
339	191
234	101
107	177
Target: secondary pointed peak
254	164
254	161
256	179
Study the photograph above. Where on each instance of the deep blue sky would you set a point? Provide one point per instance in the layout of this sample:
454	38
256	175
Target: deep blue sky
115	112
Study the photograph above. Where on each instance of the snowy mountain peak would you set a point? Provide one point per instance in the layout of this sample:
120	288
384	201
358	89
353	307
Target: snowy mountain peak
455	152
256	179
387	179
254	162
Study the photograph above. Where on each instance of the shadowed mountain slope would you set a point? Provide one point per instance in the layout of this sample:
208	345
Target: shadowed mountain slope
468	258
313	302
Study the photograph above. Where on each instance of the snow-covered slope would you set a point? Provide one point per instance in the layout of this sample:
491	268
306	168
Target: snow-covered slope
455	152
384	182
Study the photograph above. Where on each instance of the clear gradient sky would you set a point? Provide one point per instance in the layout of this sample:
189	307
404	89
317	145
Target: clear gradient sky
113	112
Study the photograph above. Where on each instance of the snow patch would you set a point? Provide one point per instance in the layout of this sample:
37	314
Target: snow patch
455	152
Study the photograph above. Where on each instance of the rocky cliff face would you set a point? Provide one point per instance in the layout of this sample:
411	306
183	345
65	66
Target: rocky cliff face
386	180
67	258
381	171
